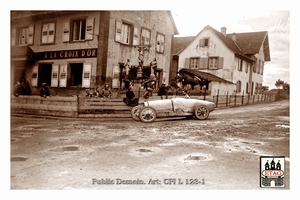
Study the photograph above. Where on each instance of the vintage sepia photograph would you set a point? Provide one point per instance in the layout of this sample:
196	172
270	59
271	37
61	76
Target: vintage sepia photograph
183	98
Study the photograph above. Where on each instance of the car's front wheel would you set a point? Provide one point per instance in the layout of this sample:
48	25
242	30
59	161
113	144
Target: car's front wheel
147	114
135	112
202	112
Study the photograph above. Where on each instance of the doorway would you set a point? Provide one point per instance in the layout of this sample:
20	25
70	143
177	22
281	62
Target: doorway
75	74
44	74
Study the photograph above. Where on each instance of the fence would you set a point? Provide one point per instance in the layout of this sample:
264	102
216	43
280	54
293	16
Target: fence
236	100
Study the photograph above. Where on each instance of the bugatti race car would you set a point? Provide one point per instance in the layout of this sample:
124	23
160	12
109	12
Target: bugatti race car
150	110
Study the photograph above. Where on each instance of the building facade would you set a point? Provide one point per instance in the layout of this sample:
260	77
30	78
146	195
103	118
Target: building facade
87	49
236	58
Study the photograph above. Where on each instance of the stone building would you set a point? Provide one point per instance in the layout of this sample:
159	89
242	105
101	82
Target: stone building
86	49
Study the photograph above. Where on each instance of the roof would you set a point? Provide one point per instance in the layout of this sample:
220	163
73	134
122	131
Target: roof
251	42
246	43
204	76
180	43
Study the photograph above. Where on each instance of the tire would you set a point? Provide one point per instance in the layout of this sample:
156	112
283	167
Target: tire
147	114
202	112
135	112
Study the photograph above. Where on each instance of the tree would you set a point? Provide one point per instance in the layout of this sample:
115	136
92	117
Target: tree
286	87
264	89
279	84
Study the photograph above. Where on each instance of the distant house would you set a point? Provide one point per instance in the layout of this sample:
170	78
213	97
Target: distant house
232	63
86	49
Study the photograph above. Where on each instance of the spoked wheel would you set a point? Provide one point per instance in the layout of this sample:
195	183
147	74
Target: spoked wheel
147	114
135	112
202	112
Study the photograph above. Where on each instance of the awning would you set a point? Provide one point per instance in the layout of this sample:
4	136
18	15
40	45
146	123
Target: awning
202	76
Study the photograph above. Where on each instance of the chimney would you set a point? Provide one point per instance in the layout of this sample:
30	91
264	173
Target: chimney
223	31
233	37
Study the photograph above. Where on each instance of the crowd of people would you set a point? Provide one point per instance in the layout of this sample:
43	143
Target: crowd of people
22	88
105	92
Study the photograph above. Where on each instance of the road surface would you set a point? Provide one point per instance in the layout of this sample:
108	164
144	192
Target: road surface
222	152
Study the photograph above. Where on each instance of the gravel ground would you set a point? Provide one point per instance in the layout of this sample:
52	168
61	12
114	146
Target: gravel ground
222	152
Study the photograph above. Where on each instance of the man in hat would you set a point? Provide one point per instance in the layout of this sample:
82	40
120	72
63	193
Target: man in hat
44	91
162	91
130	97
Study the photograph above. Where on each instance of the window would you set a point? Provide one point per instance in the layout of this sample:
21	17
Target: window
194	63
246	67
238	86
255	64
160	43
247	88
25	35
123	33
258	68
213	63
204	42
240	64
78	30
256	88
82	29
48	33
145	37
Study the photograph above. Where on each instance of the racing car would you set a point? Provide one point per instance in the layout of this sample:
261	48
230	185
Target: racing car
150	110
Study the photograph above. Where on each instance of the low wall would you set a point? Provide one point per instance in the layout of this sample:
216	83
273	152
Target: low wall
51	106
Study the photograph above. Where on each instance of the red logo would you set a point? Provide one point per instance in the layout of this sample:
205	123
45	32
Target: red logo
274	173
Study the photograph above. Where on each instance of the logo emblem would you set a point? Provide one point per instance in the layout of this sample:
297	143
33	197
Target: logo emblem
272	171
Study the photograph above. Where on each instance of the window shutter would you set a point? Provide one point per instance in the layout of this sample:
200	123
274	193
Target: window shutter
22	36
89	35
187	63
221	61
54	76
135	36
66	32
162	44
44	33
13	37
34	77
203	63
63	76
147	41
51	32
30	34
86	75
118	31
158	43
201	42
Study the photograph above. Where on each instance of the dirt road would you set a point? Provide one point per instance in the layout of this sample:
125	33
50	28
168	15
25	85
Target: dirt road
222	152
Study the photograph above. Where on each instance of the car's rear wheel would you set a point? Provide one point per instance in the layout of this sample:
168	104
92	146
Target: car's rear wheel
147	114
202	112
135	112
